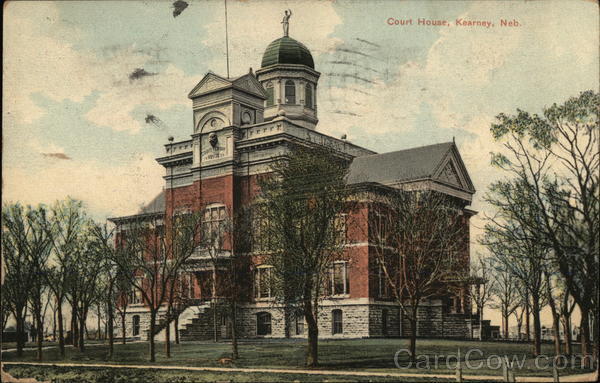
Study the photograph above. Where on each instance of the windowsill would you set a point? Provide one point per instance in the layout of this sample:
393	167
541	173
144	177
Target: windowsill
267	299
339	296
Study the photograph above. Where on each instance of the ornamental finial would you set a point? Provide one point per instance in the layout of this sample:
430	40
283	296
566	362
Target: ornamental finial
286	22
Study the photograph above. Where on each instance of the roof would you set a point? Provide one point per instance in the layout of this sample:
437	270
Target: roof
403	165
286	50
157	205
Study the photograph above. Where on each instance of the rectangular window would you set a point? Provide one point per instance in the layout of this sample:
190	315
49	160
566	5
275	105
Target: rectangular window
270	96
262	282
299	324
263	323
339	278
340	226
337	325
384	287
212	222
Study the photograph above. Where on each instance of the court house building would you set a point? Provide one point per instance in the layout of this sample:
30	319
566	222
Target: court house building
240	126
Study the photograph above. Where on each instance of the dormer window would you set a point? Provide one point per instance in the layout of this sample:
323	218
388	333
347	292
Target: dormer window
290	92
270	94
308	96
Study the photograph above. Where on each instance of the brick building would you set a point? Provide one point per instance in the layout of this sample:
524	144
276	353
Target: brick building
241	125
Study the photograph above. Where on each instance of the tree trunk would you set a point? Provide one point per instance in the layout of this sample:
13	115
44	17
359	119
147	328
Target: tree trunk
110	329
20	332
567	331
413	332
123	329
40	332
61	335
177	329
527	324
234	342
54	325
167	336
312	350
506	317
99	324
215	323
82	331
585	337
151	335
537	328
480	322
214	300
74	327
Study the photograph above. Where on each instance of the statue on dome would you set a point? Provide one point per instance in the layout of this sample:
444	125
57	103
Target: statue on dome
286	22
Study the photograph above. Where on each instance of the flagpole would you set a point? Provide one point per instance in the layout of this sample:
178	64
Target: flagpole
226	40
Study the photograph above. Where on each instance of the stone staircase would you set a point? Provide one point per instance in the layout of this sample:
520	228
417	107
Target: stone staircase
163	320
198	326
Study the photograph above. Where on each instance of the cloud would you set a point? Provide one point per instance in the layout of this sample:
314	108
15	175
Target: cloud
139	73
37	63
60	156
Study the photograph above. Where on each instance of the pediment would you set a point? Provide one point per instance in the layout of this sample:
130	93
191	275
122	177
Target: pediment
209	83
452	171
250	84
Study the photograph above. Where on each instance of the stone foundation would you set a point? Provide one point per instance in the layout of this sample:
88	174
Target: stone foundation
359	320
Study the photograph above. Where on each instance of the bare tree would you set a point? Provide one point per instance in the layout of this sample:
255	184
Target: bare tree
506	292
153	251
421	242
299	204
111	284
483	288
225	243
522	255
65	229
554	163
26	247
17	280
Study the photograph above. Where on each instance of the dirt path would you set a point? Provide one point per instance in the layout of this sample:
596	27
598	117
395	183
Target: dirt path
591	377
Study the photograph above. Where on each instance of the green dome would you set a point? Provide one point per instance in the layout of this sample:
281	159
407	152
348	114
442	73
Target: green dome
287	51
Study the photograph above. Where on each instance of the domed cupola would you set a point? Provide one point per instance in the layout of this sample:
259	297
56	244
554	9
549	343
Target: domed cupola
286	50
289	78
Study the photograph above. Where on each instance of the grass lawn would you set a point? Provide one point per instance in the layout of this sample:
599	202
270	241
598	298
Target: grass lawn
374	355
9	345
100	375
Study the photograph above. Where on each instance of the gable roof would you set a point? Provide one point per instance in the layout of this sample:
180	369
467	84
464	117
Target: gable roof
425	162
212	82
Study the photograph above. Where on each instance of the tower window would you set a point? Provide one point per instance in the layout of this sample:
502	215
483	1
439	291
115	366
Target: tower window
308	96
270	94
290	92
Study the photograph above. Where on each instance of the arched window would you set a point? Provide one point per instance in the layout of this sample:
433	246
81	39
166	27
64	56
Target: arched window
384	321
337	326
263	323
136	325
270	94
308	96
290	92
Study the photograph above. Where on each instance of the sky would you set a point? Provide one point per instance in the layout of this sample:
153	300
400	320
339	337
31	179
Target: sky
74	115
